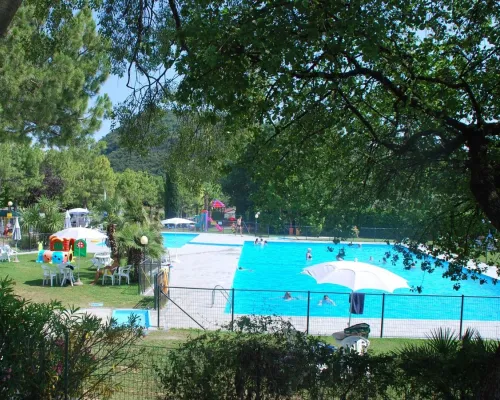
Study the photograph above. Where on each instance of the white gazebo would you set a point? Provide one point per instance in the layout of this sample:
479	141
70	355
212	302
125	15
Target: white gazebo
79	217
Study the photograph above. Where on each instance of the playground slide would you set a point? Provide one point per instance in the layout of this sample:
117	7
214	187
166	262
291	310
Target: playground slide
219	228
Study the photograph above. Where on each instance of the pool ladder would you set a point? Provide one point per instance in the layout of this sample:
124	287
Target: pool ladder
221	290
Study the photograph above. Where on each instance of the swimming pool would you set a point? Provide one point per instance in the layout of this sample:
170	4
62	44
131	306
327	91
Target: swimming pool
122	317
177	240
276	267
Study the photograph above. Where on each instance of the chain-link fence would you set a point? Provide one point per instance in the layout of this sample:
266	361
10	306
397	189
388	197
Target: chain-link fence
323	313
303	231
29	241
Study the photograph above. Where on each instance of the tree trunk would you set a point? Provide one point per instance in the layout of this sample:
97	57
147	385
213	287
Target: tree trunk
111	231
485	177
134	257
8	9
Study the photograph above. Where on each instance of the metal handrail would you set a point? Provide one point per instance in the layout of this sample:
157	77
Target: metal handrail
222	290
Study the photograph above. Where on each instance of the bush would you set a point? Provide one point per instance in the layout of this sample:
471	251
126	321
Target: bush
47	351
266	358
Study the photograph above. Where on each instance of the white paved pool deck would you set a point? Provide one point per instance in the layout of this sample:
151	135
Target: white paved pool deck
210	260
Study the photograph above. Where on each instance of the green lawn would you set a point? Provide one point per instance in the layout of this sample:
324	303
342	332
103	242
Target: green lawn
27	275
174	337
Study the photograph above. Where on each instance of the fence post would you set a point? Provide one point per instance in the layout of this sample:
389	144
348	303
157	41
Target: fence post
232	309
66	364
308	307
382	320
461	316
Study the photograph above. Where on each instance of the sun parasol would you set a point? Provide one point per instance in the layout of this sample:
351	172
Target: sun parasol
356	276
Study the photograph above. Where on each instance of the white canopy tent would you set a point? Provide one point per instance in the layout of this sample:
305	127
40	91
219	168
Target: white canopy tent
176	221
79	217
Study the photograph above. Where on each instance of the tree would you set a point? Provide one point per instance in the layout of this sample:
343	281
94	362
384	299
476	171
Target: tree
8	10
128	239
45	216
412	88
171	196
86	173
53	63
19	172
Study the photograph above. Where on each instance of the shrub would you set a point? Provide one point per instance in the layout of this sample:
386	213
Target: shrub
47	351
266	358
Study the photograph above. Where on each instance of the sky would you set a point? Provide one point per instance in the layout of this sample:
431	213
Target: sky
116	88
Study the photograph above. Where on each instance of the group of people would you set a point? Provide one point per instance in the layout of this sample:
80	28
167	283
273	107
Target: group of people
325	300
260	241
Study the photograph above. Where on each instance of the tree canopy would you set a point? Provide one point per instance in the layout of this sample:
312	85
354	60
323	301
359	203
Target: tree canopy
51	67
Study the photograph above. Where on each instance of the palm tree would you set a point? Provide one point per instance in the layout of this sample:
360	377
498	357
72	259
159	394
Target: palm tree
128	240
112	209
44	216
448	367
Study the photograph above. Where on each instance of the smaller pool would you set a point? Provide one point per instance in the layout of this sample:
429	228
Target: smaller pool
177	240
122	317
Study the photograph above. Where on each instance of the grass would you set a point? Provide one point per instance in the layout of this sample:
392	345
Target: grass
27	276
173	338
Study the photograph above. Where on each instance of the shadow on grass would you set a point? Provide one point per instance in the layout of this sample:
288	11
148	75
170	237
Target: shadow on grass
147	302
37	282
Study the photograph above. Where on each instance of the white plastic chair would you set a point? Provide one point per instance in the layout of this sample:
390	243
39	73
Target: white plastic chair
124	272
48	273
110	274
356	343
66	274
4	256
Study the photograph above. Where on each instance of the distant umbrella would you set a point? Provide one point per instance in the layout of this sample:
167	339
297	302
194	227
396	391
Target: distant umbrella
356	276
67	220
16	235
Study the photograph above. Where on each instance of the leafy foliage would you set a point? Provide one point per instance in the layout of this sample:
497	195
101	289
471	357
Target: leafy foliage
44	216
265	358
50	71
47	350
379	106
447	366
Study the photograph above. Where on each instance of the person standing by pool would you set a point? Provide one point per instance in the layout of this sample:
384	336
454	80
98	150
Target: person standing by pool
309	255
239	223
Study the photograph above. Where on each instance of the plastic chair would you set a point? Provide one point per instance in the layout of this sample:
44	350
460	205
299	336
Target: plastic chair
48	273
4	256
66	274
110	274
124	272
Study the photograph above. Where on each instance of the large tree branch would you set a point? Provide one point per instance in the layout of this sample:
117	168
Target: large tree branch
8	9
178	26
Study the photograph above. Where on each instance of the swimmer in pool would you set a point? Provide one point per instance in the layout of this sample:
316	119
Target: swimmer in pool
326	300
309	255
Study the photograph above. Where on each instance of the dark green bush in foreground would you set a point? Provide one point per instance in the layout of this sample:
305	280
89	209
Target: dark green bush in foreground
266	358
47	352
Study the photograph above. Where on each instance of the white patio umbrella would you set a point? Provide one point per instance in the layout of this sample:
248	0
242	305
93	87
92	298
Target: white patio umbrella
356	276
176	221
80	233
67	220
16	235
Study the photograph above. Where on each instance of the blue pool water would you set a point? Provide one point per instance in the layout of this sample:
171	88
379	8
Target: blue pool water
276	267
122	317
177	240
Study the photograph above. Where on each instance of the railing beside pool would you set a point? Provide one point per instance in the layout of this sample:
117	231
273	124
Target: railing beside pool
389	315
